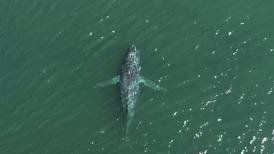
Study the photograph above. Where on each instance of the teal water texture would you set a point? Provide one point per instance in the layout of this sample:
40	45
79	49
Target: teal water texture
214	57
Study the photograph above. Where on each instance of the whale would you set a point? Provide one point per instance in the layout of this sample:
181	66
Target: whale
129	81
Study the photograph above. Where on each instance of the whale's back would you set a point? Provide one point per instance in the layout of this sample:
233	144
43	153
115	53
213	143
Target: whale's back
129	82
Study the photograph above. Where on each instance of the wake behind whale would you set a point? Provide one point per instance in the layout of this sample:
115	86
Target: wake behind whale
129	81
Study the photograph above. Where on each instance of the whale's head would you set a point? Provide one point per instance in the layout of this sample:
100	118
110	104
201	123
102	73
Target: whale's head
132	56
132	48
133	53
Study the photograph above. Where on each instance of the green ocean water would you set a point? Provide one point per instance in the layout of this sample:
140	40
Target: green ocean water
216	58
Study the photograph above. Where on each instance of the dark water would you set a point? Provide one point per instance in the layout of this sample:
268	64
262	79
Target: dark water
216	58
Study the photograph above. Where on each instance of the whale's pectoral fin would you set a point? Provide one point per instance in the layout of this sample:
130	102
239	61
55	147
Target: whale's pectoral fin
112	81
151	84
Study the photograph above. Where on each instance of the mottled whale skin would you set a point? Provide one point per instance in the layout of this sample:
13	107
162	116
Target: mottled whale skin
129	81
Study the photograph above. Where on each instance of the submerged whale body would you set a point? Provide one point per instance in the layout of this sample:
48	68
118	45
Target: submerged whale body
129	81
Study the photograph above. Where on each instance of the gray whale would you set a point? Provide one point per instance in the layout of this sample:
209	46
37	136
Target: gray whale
129	81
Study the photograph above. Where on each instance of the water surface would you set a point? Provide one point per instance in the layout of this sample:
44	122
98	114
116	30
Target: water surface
215	58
